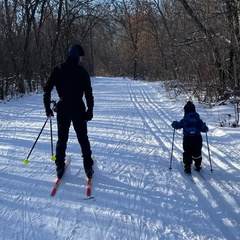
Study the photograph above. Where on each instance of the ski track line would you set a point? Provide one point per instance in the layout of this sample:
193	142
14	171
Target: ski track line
150	124
106	232
28	229
137	223
162	117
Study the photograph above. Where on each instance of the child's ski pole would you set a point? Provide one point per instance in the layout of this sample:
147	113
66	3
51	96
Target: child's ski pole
210	161
170	167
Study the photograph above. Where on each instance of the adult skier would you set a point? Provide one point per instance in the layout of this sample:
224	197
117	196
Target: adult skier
72	82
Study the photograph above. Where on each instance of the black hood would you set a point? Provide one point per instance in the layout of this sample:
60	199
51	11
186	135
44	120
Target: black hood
75	51
189	107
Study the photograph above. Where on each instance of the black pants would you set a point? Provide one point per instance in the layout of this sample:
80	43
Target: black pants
192	147
66	116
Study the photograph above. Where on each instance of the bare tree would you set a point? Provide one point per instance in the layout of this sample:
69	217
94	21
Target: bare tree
195	42
130	18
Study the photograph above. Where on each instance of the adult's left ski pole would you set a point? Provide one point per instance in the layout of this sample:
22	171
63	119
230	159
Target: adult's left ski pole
26	161
170	167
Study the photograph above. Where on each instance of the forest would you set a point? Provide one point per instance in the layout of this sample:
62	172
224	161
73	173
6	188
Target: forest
191	45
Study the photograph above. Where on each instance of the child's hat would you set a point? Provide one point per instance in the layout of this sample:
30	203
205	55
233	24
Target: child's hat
189	107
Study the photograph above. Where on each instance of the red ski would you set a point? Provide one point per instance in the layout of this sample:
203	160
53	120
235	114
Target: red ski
89	185
55	187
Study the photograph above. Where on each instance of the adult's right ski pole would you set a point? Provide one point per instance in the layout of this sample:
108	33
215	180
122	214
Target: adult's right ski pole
170	167
53	158
26	161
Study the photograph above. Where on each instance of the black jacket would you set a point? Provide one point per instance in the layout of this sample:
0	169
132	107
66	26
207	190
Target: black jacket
72	82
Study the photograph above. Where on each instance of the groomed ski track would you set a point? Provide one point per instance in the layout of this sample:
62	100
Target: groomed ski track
136	196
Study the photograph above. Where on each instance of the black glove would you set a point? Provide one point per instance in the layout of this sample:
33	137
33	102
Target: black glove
88	115
49	113
204	128
174	124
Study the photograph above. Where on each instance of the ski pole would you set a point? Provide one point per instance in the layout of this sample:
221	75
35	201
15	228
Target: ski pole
210	161
26	161
170	167
53	158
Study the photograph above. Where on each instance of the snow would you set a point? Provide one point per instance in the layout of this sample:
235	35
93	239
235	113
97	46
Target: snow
136	196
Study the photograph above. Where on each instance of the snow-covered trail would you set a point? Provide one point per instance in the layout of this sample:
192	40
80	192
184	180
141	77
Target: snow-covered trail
136	196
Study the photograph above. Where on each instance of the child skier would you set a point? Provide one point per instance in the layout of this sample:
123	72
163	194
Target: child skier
192	139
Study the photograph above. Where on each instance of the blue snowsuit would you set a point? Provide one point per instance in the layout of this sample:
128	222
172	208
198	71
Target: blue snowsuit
192	127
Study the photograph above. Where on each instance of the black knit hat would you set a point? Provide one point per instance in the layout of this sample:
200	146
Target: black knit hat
189	107
75	51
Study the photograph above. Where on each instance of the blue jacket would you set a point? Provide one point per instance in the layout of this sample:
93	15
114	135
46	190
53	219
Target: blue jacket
191	124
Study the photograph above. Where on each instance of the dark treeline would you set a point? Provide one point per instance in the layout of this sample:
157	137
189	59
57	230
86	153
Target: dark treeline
195	43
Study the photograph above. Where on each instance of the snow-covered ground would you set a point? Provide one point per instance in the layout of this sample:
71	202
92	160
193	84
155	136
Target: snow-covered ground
136	196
